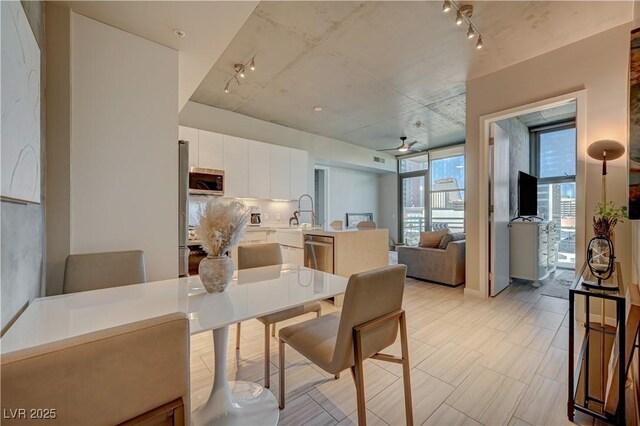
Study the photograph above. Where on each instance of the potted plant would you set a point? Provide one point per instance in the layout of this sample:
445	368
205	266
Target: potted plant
222	225
606	217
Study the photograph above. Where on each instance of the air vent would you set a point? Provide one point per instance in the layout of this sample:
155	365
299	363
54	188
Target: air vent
379	160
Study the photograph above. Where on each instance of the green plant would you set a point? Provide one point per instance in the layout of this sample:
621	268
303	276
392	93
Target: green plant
607	216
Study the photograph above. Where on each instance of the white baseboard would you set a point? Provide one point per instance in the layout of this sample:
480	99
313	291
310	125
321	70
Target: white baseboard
472	293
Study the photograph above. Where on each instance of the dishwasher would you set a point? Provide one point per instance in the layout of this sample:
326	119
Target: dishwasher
318	253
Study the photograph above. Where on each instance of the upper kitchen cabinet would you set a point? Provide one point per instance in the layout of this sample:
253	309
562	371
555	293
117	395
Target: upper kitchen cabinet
211	150
236	167
299	173
259	170
191	135
280	173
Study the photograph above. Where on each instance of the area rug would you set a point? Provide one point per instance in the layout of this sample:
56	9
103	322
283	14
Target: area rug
558	284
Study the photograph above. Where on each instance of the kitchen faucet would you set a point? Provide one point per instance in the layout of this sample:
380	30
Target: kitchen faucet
313	214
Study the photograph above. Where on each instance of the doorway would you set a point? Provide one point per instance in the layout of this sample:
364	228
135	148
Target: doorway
321	186
551	133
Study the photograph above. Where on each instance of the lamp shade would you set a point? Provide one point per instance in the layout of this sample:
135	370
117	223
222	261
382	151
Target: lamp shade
605	148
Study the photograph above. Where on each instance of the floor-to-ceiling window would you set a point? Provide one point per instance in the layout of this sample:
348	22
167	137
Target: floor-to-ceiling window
554	162
431	192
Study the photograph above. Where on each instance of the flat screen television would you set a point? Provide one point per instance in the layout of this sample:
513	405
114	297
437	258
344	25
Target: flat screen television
527	195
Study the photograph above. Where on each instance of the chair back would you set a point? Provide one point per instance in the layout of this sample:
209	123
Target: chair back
106	377
366	224
336	224
370	295
258	255
93	271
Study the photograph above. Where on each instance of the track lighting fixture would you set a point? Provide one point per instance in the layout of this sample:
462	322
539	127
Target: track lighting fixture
470	32
463	14
240	70
459	18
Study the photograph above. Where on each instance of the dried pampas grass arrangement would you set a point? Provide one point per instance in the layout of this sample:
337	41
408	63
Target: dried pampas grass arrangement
222	225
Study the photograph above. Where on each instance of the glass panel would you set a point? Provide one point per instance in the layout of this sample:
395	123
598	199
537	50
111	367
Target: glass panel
414	164
447	211
447	173
558	153
557	202
413	210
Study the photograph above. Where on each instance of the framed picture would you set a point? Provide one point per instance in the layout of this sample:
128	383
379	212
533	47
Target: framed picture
634	126
354	218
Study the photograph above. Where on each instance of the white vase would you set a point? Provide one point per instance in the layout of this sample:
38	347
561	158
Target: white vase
216	273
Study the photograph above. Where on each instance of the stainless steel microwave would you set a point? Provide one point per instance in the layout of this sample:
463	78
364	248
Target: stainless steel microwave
206	181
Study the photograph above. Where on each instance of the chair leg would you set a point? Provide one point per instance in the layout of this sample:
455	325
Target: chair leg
318	313
267	356
273	330
337	376
358	377
406	370
281	352
238	326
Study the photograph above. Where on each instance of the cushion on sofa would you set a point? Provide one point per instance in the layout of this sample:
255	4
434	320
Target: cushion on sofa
432	239
455	236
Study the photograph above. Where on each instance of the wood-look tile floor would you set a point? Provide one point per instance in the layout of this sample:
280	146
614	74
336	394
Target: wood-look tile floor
491	362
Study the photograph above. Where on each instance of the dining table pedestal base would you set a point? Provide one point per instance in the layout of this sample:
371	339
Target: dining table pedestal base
234	403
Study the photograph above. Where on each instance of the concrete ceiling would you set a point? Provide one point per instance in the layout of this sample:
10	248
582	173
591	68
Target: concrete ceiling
549	116
209	27
377	68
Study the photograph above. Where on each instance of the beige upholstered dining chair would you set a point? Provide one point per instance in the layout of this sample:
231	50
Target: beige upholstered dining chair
371	316
93	271
135	373
255	256
336	224
366	224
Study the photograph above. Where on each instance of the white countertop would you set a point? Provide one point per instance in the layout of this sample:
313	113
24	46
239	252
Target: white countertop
253	293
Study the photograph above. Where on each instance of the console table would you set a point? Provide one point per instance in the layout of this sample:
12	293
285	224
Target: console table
597	378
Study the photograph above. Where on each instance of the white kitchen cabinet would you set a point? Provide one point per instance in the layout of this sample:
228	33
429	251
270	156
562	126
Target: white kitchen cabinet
280	173
236	167
299	173
191	135
259	170
211	150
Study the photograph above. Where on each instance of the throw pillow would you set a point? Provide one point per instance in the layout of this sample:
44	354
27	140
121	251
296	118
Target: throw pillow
432	239
456	236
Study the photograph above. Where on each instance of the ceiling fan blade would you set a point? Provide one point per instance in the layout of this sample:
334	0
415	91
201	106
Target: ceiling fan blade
390	149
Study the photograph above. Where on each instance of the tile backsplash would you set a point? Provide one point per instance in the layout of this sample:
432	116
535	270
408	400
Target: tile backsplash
273	212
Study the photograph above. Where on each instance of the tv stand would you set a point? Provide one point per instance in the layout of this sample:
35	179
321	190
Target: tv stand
533	250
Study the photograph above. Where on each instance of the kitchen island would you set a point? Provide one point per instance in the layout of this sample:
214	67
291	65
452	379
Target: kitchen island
353	250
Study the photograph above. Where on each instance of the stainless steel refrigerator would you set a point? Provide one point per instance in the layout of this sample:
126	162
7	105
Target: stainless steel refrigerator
183	208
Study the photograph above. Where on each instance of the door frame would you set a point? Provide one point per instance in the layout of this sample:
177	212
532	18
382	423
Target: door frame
579	97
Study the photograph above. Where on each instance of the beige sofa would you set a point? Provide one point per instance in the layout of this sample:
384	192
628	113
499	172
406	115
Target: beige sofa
135	374
433	264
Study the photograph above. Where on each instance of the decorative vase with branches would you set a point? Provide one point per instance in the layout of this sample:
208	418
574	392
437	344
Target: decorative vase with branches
606	217
222	225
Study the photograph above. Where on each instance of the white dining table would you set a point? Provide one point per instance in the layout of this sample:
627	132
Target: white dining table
252	293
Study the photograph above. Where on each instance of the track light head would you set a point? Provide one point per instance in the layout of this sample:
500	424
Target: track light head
226	88
446	6
237	81
471	33
479	44
252	67
459	18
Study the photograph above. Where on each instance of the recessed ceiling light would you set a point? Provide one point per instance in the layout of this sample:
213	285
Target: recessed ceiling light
317	108
179	33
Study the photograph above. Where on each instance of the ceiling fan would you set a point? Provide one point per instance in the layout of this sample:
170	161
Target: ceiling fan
404	146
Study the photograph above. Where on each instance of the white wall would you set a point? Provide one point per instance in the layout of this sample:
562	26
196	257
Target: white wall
352	191
123	151
598	64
